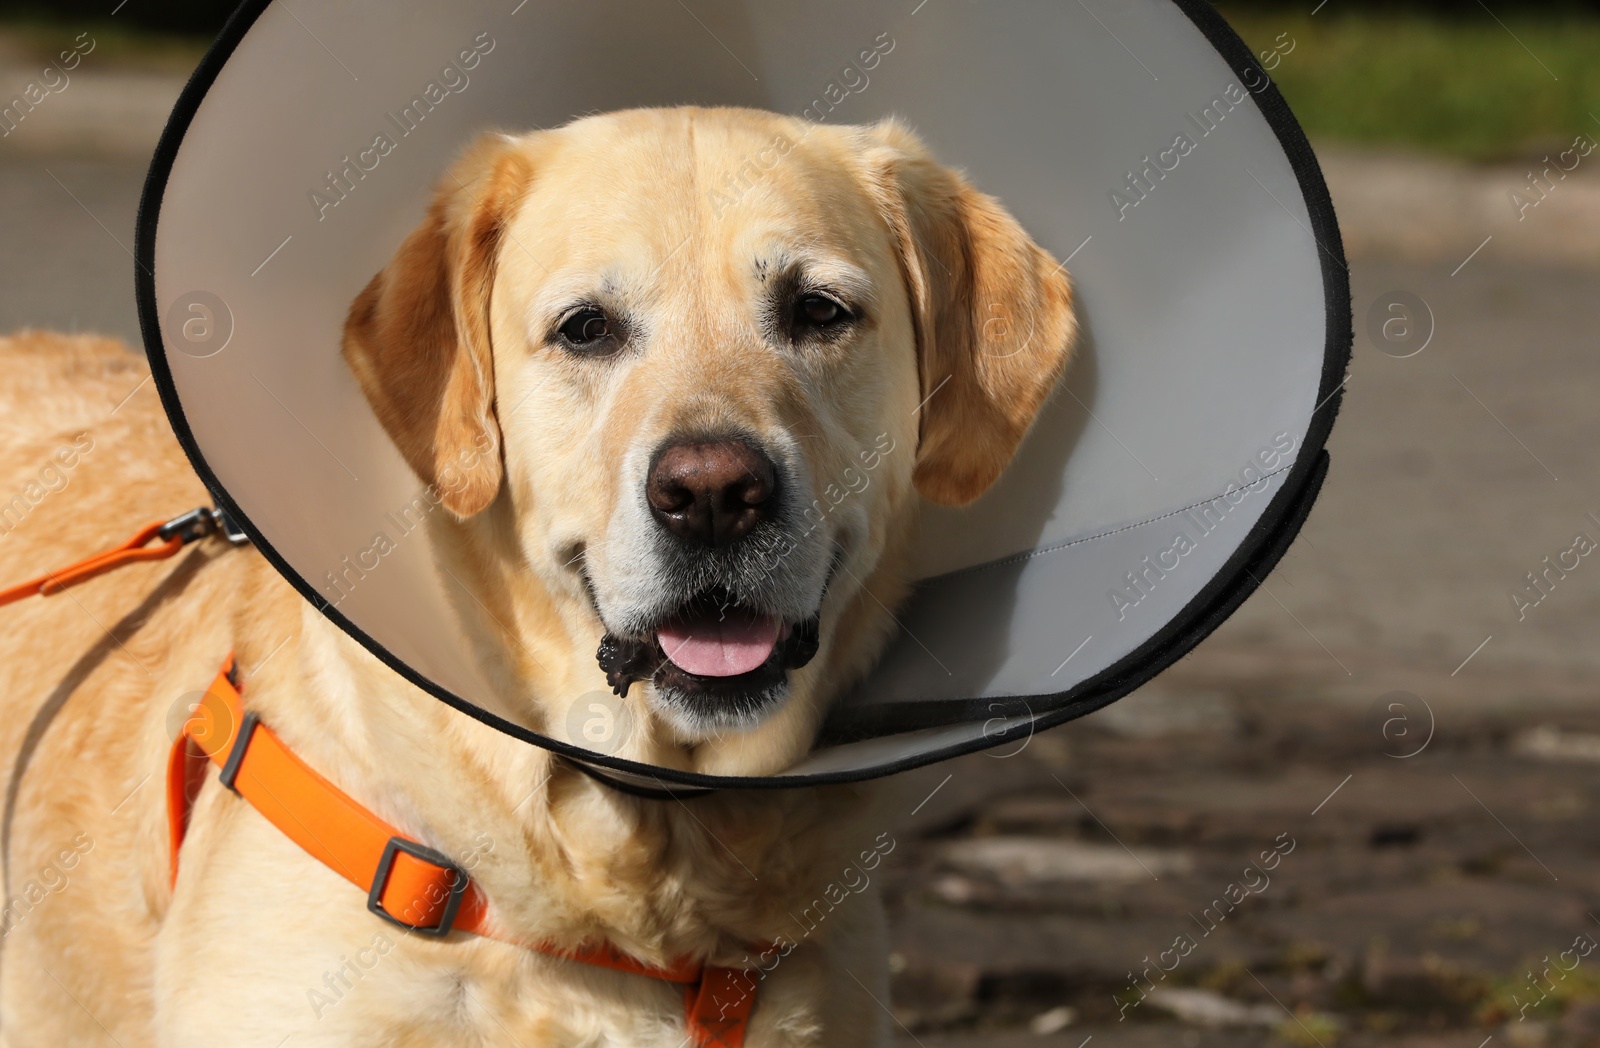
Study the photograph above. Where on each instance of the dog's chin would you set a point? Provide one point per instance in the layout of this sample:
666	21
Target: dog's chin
698	708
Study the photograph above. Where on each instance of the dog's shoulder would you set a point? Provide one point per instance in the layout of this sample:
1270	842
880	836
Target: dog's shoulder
61	384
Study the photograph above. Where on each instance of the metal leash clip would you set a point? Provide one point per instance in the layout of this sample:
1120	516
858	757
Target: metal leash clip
201	522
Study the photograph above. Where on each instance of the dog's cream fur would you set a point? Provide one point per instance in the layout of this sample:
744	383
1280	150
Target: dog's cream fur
662	211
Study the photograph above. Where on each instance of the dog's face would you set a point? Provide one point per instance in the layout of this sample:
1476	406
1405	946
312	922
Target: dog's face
715	357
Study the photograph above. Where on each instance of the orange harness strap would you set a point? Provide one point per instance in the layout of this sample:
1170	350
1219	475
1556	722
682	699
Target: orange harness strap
409	885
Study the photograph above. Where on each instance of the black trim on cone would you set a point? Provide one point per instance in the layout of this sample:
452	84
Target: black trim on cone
1257	554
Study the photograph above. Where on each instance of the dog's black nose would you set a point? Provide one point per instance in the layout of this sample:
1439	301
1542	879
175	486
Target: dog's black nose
710	492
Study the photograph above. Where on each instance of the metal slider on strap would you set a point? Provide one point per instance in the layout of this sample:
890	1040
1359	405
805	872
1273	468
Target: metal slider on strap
380	880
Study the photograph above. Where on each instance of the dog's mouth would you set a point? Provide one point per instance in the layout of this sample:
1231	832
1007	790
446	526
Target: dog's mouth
712	657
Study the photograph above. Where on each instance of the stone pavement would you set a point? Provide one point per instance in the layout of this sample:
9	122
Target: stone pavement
1442	837
1408	882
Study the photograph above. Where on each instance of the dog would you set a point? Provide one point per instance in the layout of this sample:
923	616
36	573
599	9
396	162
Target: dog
634	357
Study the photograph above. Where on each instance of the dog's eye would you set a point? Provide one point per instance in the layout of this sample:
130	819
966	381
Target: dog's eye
816	312
586	328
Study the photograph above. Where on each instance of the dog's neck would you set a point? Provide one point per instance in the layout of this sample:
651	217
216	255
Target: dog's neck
561	857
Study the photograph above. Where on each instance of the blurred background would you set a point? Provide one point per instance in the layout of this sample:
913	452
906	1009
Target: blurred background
1369	801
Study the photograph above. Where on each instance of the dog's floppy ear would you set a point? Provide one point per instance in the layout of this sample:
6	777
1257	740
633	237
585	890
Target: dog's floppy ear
992	310
417	338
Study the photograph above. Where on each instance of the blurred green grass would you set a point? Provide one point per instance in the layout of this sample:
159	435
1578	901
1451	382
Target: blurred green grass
1448	78
196	18
1461	85
119	44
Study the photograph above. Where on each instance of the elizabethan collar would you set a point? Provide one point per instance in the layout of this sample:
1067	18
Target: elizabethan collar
1139	140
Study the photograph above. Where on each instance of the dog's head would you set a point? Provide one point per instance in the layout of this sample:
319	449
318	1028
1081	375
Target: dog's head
685	372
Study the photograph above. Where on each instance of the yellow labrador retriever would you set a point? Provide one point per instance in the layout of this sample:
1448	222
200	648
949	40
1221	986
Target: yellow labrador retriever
634	357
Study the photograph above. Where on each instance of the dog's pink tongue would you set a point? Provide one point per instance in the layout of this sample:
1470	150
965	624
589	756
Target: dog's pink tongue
719	646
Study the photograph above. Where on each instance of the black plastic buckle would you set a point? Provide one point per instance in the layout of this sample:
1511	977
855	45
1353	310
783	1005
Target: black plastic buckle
380	880
236	752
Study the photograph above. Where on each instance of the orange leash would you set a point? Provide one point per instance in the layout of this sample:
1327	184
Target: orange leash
407	884
173	534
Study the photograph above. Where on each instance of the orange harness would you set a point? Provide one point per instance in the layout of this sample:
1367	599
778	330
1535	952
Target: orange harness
408	885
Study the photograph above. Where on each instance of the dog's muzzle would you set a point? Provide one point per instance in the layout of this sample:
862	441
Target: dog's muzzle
720	653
